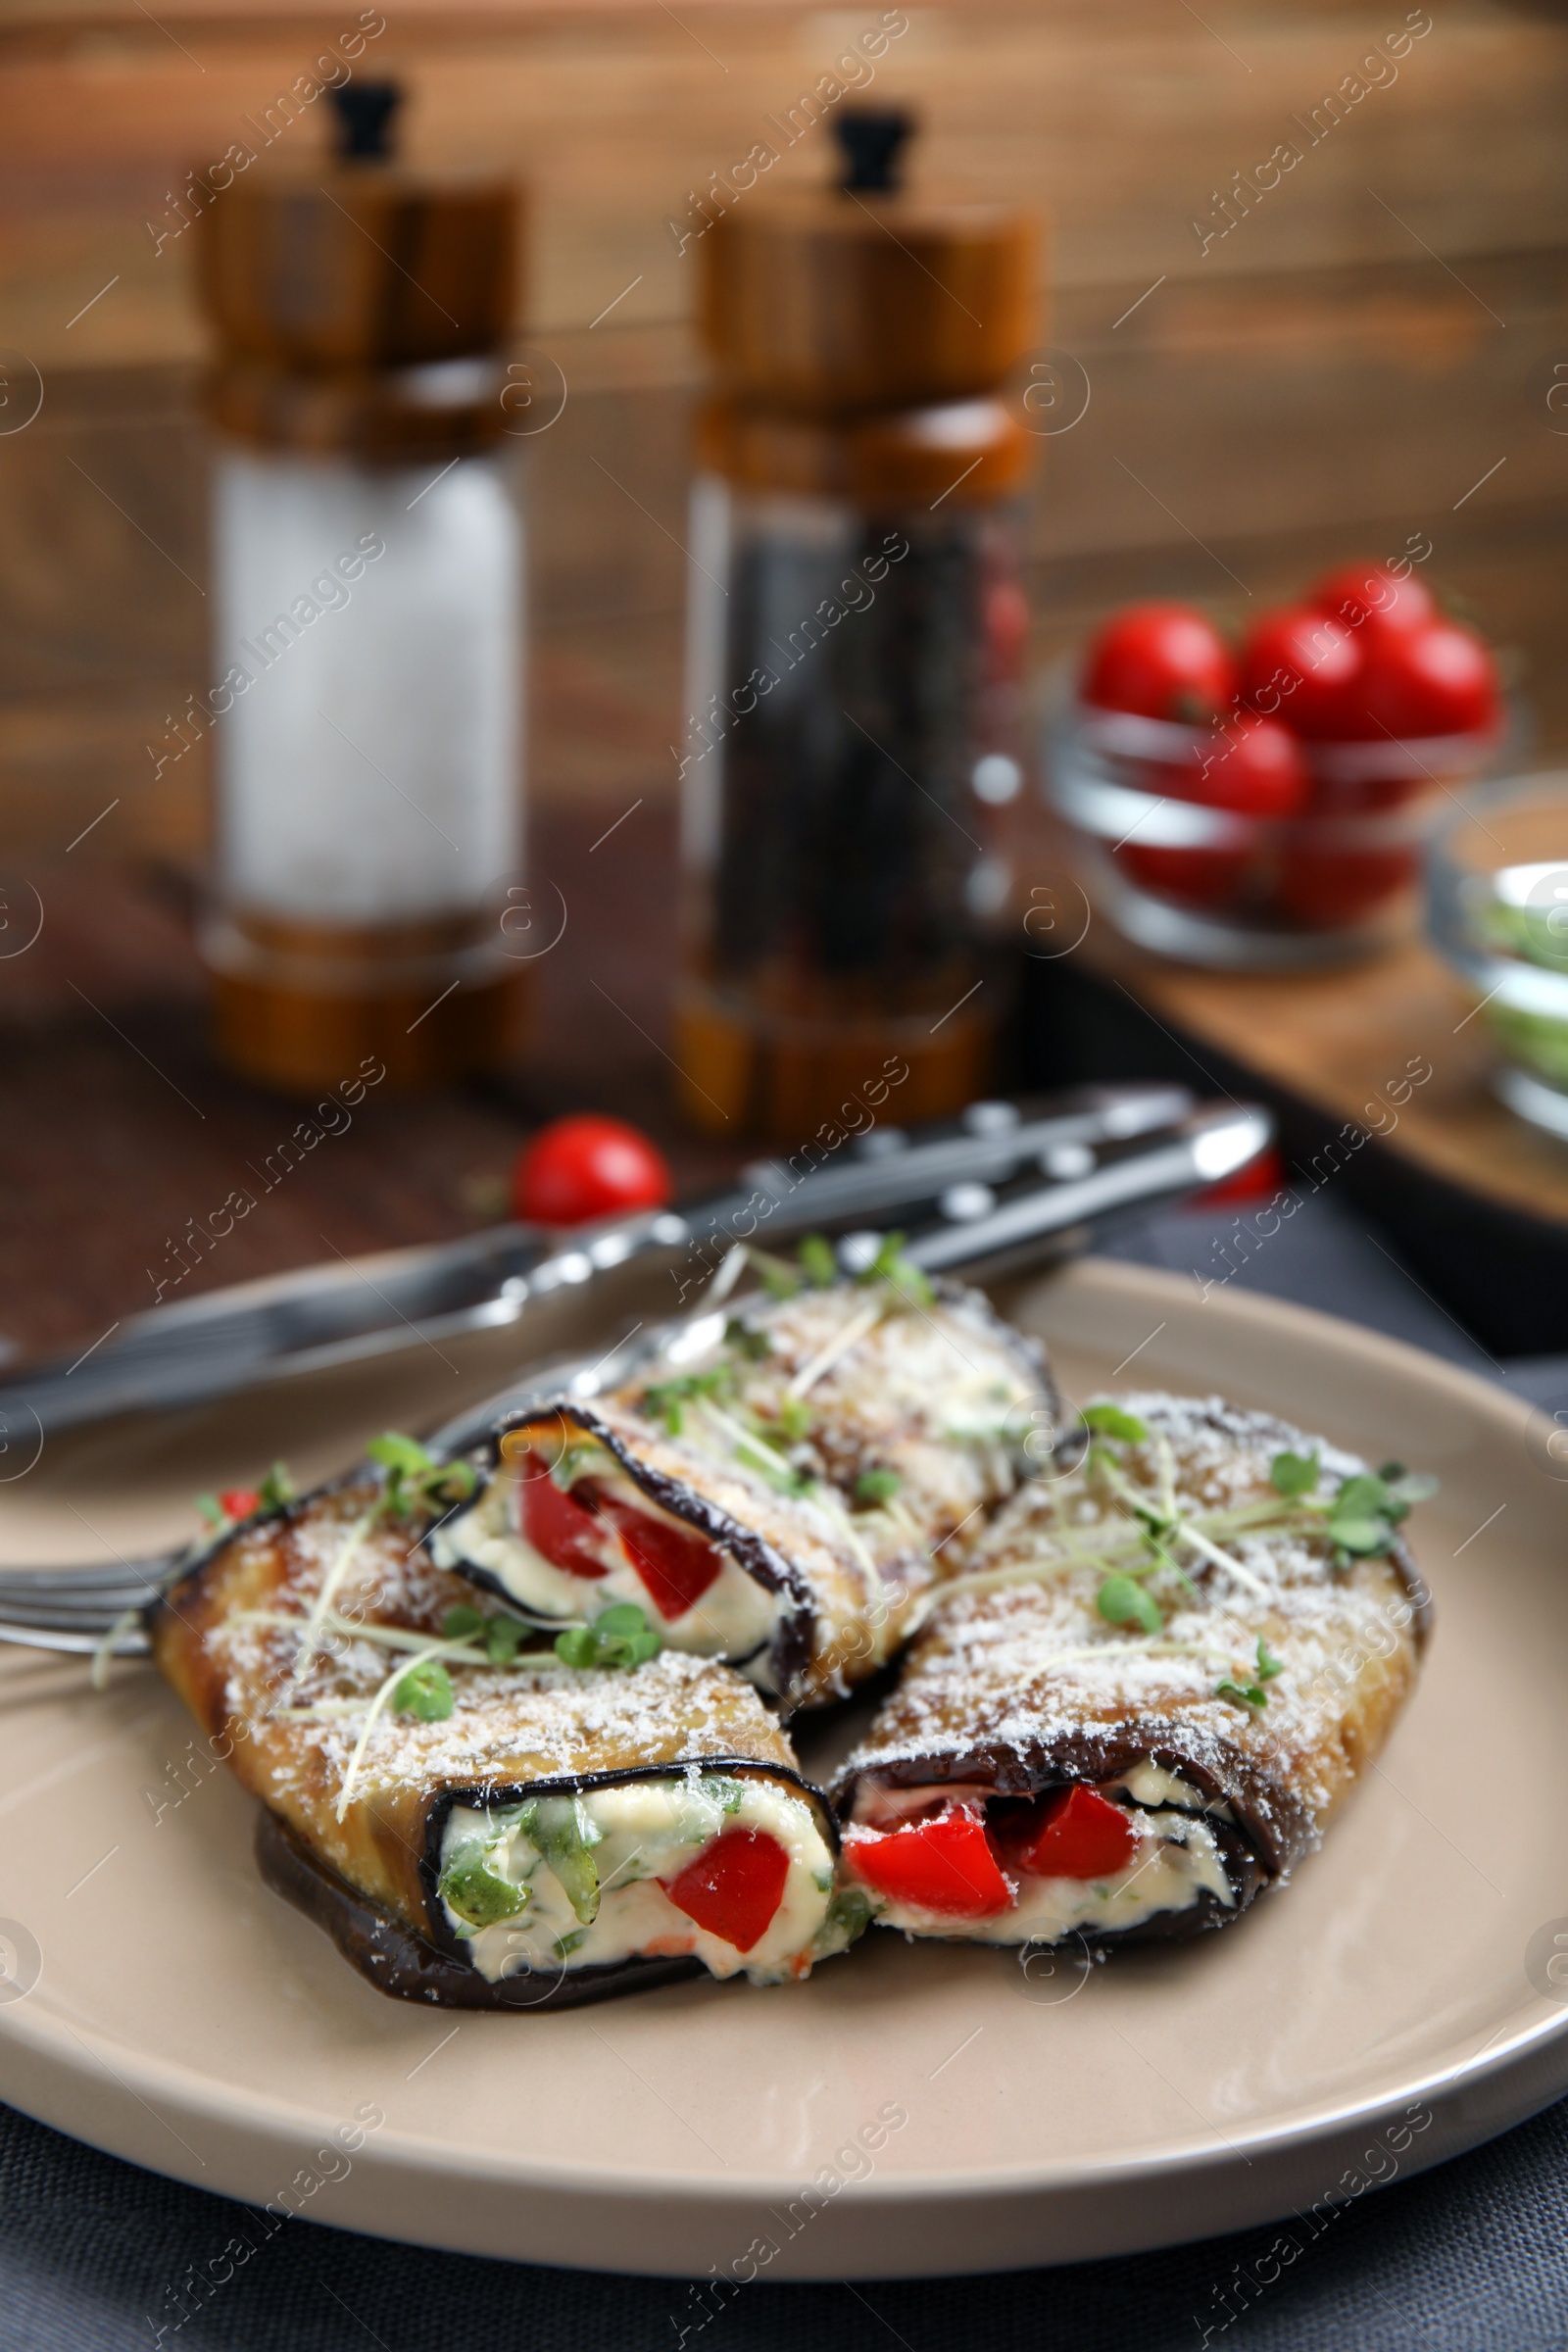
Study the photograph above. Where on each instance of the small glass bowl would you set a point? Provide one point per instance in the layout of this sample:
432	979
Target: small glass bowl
1244	893
1497	912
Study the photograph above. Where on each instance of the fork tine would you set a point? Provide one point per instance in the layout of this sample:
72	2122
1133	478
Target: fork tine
133	1644
100	1576
73	1615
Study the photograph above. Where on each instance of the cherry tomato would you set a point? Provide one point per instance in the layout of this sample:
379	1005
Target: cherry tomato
734	1887
1370	597
1162	661
584	1167
1259	1180
1326	890
1438	679
677	1566
945	1865
1299	665
1207	878
1252	766
560	1526
238	1502
1070	1834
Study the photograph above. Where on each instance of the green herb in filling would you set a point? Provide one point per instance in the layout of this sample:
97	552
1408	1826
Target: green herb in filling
480	1896
849	1915
566	1834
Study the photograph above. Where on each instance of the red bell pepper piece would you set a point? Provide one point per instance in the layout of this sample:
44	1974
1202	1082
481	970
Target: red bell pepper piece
734	1887
1072	1833
945	1865
677	1567
557	1525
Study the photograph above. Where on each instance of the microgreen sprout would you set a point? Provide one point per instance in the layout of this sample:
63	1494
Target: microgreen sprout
1122	1600
778	1278
1291	1474
873	1487
618	1637
747	1339
235	1504
900	1273
425	1691
1110	1421
817	1261
276	1488
1365	1516
1254	1694
793	1418
416	1479
499	1635
666	1399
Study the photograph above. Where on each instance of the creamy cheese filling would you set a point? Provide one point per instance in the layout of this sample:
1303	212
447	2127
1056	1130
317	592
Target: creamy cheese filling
734	1618
585	1874
1150	1784
1174	1861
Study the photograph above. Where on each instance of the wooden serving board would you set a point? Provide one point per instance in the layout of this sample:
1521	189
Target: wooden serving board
1379	1073
1354	1044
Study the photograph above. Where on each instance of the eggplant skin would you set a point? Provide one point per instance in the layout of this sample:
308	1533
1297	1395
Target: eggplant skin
400	1963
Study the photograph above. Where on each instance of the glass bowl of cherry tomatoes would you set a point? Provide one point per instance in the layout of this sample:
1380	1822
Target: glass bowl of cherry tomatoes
1497	912
1264	806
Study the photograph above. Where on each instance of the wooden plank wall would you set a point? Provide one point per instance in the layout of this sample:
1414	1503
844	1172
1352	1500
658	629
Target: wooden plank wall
1280	374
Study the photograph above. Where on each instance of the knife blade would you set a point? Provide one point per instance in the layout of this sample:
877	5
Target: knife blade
321	1316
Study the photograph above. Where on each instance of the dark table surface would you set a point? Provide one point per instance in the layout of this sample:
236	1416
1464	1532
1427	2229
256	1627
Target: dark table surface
117	1127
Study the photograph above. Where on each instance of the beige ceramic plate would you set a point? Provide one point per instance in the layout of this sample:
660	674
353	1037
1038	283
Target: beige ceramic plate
910	2110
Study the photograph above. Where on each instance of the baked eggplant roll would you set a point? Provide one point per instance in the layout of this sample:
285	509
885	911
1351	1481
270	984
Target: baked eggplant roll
779	1486
1154	1684
480	1824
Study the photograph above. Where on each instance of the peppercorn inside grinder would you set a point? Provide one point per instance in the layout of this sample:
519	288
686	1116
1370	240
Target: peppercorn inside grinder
368	617
855	640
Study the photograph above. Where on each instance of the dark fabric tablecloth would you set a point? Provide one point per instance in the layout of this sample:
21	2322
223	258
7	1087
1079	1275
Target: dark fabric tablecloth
1468	2256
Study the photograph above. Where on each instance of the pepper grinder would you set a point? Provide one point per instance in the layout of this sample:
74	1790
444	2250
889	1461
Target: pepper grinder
856	637
368	617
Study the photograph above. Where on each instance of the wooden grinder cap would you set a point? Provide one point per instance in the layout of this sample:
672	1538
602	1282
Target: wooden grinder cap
861	297
357	264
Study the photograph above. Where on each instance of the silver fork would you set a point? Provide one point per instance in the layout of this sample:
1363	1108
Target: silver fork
102	1609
